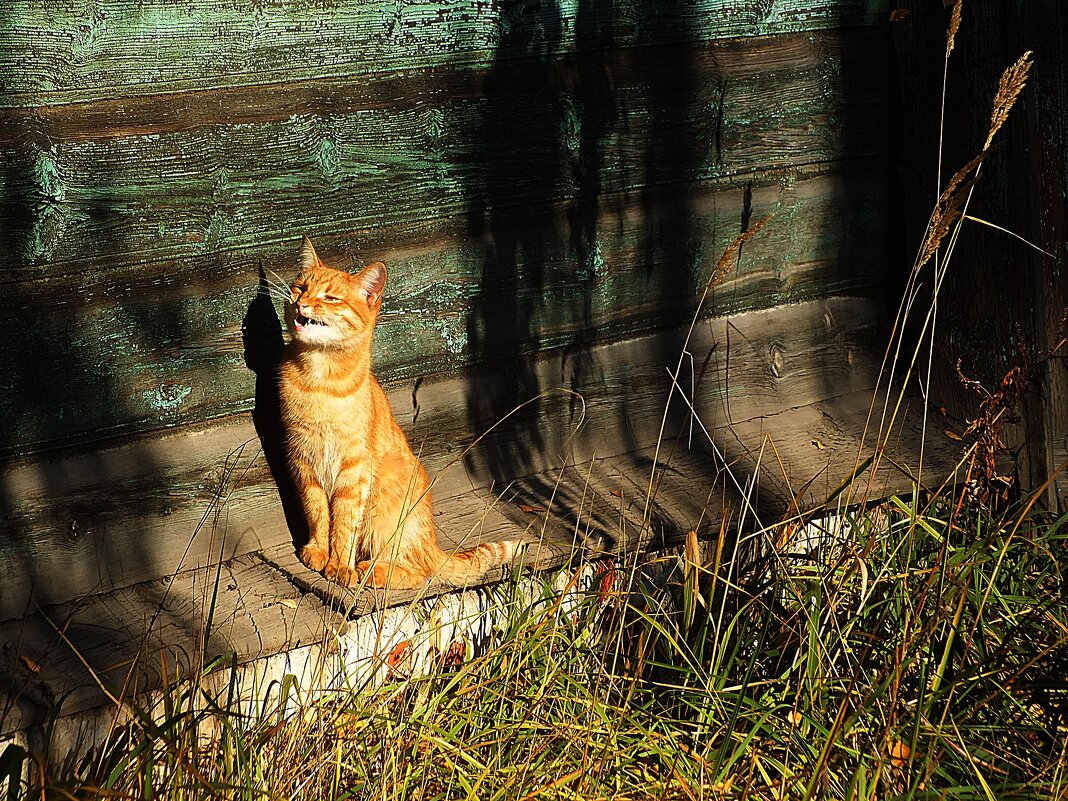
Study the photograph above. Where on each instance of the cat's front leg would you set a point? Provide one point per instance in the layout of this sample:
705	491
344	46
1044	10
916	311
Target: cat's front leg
348	510
316	553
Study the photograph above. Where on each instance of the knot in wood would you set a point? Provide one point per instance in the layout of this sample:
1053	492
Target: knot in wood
777	357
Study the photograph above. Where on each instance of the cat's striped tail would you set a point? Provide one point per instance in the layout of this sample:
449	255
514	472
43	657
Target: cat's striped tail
469	567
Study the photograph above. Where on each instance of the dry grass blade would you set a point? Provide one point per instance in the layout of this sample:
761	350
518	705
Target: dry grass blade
1013	81
722	665
949	208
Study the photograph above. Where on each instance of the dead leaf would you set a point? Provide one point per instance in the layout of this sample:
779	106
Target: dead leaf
899	754
953	435
288	602
29	663
398	654
617	493
455	654
530	510
819	445
899	14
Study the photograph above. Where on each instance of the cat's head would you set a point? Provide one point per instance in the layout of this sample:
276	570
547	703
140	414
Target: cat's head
331	308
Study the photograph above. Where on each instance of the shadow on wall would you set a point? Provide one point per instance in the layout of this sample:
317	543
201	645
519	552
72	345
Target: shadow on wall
549	115
55	376
519	168
574	147
578	143
261	334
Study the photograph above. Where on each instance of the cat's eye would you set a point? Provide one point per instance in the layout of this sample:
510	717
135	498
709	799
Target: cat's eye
331	299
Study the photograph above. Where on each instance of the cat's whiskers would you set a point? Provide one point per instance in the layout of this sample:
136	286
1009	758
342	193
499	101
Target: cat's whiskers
274	285
275	280
282	299
276	292
278	288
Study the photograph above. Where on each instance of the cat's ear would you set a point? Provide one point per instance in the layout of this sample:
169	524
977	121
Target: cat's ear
372	282
308	257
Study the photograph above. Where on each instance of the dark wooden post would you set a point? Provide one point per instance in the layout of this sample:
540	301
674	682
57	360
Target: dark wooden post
1003	303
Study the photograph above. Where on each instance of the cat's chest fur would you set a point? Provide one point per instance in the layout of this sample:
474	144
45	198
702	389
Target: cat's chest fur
328	421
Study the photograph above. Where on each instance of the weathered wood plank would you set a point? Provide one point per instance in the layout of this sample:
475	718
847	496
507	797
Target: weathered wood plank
85	523
141	645
241	611
93	186
266	603
71	524
158	345
60	51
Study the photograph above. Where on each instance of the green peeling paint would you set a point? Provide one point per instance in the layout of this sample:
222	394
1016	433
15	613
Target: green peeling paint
330	161
167	398
50	221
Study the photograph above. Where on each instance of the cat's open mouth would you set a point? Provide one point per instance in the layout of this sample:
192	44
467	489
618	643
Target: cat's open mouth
302	321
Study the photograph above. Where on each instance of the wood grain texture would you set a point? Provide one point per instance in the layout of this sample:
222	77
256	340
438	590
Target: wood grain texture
131	227
159	345
60	51
239	611
97	186
84	524
531	204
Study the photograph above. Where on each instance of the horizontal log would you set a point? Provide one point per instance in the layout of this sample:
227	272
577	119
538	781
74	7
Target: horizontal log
107	354
93	186
138	638
89	522
61	51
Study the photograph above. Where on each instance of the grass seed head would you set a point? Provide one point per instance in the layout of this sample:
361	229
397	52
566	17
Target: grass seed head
1013	81
954	26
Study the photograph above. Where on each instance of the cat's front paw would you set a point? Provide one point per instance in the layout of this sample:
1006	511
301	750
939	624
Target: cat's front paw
343	574
314	558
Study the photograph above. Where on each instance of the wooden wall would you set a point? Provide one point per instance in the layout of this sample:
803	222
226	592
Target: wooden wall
1004	303
538	175
154	154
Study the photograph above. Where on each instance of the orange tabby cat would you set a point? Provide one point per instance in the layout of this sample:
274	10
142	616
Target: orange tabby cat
365	494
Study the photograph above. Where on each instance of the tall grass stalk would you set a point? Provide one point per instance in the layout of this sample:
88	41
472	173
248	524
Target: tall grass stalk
912	649
935	671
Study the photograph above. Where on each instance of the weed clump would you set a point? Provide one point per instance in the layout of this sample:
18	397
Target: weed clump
912	649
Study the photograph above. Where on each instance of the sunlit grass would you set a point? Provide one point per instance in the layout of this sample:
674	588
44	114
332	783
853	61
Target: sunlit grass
916	649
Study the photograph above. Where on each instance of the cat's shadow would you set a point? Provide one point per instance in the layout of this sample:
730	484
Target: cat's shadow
261	335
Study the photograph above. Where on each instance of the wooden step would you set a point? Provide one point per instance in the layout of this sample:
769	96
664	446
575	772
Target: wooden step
792	384
200	569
